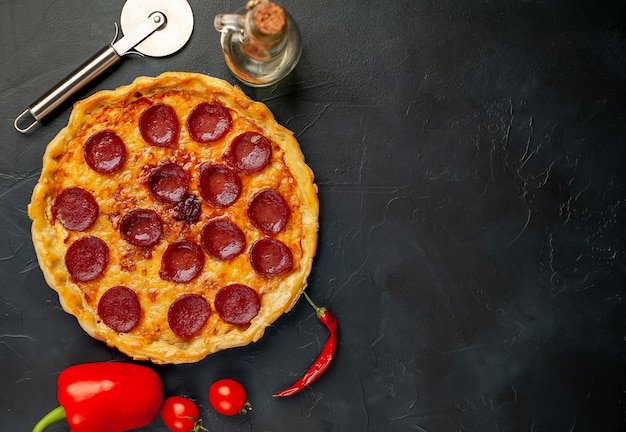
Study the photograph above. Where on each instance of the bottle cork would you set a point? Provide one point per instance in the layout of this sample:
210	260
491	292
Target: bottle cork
269	18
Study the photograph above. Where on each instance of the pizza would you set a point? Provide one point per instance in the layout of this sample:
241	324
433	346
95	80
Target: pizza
175	217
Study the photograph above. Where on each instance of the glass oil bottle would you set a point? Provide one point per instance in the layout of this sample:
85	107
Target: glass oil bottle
261	42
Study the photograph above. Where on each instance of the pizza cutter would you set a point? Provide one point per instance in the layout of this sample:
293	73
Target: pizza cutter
155	28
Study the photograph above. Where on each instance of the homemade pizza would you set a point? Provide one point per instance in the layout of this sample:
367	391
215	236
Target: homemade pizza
175	217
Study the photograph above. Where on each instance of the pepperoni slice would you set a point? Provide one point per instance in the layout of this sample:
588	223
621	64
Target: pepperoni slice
87	258
219	185
105	152
269	212
249	153
270	257
169	183
208	122
188	314
119	308
237	304
182	261
159	125
76	209
142	227
222	239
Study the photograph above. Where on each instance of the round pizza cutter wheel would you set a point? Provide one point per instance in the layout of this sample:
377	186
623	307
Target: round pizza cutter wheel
155	28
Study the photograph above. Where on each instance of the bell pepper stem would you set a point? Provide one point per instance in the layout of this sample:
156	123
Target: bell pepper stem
53	416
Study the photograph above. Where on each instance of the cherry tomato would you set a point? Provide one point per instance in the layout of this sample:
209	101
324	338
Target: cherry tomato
228	397
181	414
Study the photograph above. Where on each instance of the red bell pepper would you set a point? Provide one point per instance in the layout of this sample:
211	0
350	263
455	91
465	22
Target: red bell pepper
106	397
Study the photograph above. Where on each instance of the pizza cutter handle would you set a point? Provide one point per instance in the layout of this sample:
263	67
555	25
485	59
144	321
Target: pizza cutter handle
89	70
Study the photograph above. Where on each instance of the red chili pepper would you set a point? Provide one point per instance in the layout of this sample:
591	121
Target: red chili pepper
323	360
106	397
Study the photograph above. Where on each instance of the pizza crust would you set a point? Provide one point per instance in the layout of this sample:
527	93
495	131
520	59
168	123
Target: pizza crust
51	240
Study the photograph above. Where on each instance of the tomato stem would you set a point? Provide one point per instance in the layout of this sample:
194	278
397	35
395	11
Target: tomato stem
246	407
197	427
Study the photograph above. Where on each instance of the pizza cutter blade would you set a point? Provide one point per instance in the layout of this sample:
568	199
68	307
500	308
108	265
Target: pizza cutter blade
155	28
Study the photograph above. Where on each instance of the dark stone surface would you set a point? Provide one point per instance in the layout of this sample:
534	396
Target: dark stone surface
470	160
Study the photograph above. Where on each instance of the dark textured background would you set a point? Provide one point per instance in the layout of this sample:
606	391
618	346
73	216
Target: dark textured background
470	160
